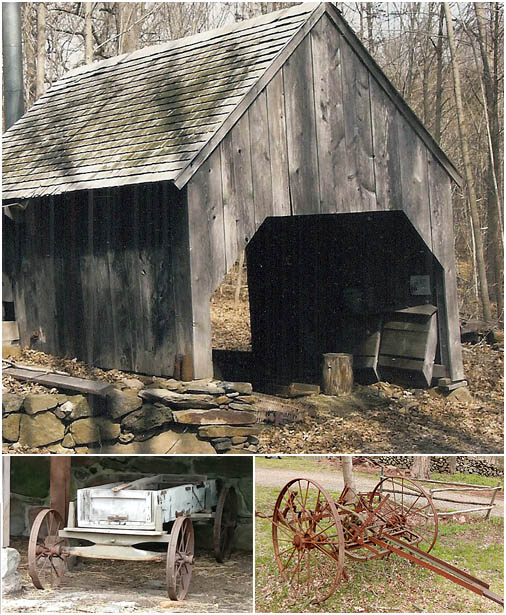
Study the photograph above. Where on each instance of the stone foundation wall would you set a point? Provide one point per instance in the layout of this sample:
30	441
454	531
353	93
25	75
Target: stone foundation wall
469	464
152	416
30	485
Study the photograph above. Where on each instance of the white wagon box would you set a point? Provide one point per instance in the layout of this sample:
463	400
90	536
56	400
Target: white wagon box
146	503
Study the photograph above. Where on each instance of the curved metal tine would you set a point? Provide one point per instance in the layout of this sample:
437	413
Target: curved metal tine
290	505
298	562
285	565
282	526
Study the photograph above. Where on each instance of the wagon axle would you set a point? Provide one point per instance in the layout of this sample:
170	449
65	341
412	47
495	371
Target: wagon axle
312	534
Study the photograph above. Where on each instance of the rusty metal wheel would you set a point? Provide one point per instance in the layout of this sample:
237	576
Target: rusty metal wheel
225	522
46	550
308	540
410	513
180	558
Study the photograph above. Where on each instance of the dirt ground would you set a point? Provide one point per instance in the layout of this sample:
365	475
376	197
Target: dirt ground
106	586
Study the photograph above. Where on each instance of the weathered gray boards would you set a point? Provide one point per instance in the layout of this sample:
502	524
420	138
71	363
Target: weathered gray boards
149	173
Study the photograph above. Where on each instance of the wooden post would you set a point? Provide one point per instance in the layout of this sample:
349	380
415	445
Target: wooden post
6	500
59	487
337	376
492	500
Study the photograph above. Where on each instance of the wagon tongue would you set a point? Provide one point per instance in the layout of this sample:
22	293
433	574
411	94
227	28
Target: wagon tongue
439	566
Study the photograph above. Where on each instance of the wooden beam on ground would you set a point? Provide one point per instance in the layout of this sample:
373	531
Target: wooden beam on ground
70	383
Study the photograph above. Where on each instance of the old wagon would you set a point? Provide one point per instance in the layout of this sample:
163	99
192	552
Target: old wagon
132	521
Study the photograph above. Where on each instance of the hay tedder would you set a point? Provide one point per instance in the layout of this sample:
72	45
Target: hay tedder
312	534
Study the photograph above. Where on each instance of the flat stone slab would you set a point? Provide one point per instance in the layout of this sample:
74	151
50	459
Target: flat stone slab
214	417
179	400
211	388
245	388
146	418
165	443
228	431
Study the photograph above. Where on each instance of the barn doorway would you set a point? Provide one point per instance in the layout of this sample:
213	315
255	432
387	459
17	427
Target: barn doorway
324	283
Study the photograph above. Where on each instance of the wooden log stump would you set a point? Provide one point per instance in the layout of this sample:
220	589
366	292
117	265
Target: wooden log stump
337	376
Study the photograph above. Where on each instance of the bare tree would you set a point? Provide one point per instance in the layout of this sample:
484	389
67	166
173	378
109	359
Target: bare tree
475	216
88	32
41	49
348	476
495	230
421	466
439	76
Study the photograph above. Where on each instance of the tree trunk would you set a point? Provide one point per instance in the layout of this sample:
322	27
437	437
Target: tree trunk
421	467
88	33
480	254
452	464
337	376
41	49
495	227
238	282
128	29
349	477
439	76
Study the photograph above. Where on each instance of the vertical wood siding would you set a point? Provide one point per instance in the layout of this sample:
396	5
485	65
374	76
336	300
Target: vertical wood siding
101	276
323	137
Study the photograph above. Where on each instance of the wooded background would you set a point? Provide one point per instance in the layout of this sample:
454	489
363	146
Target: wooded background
445	59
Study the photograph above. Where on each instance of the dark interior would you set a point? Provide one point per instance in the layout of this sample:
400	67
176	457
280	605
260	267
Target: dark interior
320	284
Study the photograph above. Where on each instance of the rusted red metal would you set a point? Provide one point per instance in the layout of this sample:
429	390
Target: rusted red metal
313	533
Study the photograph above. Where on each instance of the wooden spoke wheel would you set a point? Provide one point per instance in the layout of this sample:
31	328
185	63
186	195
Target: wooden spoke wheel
409	513
308	540
225	522
180	558
46	550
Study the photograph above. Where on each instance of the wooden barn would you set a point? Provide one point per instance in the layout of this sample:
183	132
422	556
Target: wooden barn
140	179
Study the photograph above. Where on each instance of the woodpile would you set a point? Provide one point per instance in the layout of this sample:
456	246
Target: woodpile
465	463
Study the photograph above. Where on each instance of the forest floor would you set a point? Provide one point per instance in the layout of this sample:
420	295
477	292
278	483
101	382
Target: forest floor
109	586
384	418
380	418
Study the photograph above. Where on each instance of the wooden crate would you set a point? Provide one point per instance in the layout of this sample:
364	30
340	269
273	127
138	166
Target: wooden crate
408	345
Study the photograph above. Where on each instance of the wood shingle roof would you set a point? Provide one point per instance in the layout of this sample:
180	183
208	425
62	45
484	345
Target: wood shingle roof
142	116
156	114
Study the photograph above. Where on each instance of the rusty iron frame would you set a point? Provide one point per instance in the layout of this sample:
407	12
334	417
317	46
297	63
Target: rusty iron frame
372	523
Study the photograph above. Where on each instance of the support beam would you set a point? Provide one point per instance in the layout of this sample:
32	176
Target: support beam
6	500
59	489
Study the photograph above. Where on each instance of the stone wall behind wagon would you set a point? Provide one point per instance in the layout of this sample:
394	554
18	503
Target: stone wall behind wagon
30	485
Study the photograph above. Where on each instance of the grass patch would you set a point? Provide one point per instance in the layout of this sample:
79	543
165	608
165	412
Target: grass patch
470	479
392	585
309	463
